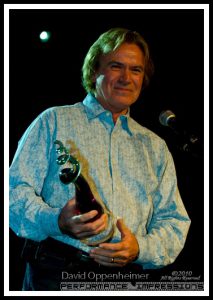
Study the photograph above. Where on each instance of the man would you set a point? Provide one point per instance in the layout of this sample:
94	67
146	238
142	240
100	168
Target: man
128	167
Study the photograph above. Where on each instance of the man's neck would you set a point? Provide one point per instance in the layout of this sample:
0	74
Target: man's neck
116	113
115	116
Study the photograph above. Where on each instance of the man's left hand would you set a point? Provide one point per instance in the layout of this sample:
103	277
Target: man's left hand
117	254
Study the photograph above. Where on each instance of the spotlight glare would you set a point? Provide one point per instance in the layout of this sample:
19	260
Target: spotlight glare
44	36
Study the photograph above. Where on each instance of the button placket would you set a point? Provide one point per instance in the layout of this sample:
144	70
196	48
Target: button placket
114	161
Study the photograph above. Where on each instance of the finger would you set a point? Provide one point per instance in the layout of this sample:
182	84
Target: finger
102	221
81	230
108	253
88	216
71	203
85	230
122	227
82	218
109	261
112	246
77	218
85	234
94	229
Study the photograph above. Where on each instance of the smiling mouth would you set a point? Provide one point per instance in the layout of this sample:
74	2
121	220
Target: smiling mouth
122	89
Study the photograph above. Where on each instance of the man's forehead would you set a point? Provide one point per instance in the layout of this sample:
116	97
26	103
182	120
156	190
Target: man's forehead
129	52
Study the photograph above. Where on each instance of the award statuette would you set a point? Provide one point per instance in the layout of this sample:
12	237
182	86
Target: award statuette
85	200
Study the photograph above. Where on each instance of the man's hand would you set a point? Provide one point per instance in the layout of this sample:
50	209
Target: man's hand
79	226
117	254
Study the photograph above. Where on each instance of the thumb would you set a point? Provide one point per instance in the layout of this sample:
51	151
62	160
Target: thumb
70	206
122	227
71	203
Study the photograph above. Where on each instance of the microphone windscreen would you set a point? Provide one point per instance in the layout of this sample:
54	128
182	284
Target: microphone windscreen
165	116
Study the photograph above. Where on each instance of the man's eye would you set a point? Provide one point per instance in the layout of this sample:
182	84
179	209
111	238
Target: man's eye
115	67
137	70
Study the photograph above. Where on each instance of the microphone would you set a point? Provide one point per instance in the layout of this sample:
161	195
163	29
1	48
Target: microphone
188	142
168	118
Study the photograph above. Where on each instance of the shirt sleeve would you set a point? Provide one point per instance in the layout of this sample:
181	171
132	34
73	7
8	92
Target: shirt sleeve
168	227
30	216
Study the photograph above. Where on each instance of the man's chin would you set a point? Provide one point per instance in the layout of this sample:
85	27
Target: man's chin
123	101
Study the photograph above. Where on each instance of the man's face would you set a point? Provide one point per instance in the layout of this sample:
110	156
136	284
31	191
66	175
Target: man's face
119	78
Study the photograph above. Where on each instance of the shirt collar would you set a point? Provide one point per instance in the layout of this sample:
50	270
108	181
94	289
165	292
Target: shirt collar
93	109
92	106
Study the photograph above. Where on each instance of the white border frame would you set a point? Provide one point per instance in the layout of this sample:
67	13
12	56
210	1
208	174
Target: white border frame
205	7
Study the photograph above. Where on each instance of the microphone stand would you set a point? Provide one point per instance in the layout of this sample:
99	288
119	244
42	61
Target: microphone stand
187	143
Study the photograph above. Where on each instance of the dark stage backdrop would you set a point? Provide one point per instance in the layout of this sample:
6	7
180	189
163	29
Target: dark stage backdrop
49	74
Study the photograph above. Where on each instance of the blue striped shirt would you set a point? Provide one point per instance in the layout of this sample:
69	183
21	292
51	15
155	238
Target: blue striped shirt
126	165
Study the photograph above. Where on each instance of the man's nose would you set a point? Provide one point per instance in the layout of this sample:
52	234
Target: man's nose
125	75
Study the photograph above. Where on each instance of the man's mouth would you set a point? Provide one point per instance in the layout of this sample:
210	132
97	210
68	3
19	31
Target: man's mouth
122	89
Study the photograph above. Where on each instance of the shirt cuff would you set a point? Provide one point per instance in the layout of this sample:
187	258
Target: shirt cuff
146	257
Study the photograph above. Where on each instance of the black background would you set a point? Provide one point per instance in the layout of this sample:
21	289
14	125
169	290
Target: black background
49	74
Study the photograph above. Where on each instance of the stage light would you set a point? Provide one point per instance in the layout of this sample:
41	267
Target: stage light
45	36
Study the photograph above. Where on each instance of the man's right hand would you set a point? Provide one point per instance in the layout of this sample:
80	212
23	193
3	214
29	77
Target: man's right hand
79	226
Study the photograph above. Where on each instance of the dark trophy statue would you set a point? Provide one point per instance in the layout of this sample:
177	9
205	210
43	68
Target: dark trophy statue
85	201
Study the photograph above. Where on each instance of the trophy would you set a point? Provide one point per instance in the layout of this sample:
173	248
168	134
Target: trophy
85	200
